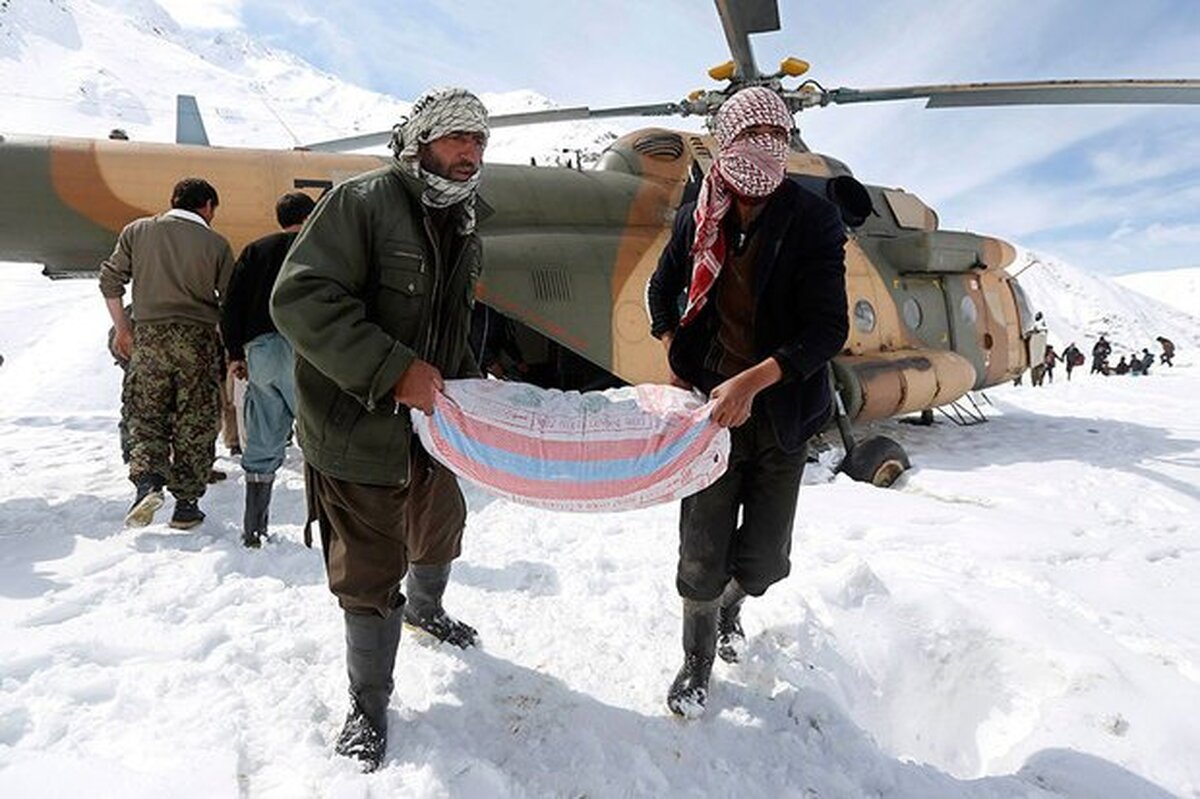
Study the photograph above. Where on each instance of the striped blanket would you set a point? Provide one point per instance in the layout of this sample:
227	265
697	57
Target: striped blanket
609	450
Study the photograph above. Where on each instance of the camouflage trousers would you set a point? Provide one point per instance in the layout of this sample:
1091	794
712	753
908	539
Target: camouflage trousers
171	402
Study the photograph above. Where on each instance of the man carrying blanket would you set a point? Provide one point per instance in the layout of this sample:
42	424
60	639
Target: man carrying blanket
372	297
762	263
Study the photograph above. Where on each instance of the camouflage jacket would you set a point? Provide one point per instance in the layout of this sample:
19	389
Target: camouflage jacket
369	286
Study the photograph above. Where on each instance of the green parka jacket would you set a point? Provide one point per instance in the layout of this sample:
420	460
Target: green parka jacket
365	290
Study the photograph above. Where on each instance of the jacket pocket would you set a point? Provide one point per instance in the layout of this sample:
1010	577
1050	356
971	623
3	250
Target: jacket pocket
404	284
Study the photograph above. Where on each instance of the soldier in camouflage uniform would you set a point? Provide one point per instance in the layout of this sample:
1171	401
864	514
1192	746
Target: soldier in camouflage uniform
179	268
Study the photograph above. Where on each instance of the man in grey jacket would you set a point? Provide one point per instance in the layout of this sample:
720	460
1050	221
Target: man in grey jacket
179	267
375	297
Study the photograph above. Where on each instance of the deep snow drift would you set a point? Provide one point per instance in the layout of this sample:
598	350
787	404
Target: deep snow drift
1018	617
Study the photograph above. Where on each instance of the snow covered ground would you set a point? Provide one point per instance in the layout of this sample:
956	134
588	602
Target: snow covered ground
1019	617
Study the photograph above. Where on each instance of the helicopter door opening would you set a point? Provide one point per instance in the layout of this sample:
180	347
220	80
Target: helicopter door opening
923	308
972	328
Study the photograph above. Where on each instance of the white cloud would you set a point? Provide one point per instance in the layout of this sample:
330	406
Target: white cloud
1173	234
205	14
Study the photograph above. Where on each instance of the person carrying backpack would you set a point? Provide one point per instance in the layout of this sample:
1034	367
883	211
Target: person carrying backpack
1072	357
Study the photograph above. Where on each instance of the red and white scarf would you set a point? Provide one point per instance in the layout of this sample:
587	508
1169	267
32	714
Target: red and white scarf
751	166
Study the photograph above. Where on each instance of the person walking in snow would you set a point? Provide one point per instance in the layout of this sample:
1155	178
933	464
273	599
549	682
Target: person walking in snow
179	267
1168	350
761	262
1037	373
262	357
375	299
1072	357
1147	361
1049	358
1100	353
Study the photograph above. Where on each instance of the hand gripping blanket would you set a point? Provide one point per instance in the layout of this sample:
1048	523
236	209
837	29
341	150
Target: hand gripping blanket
612	450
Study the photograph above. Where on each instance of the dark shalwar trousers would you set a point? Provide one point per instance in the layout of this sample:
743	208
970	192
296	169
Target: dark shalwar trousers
369	534
761	482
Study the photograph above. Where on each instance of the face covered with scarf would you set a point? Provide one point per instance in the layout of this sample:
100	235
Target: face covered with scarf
751	132
442	144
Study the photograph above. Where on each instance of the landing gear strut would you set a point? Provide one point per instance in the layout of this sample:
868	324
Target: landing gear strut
877	460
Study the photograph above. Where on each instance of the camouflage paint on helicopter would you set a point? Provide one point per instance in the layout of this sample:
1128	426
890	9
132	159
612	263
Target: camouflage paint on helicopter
934	314
568	253
77	194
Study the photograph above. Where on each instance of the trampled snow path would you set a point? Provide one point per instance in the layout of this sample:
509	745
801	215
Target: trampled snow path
1020	617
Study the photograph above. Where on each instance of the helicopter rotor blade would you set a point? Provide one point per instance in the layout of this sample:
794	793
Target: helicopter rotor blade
1046	92
382	137
583	112
360	142
740	18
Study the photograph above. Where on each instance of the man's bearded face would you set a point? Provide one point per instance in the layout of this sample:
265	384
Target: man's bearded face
455	156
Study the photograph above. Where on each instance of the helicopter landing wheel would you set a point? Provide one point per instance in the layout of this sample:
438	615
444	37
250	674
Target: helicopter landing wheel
877	460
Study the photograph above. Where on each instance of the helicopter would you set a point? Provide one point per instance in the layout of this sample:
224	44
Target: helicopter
934	313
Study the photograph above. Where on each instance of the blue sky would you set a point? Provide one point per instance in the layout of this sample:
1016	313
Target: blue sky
1111	189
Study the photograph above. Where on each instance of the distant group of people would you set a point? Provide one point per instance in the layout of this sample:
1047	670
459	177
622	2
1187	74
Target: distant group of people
1043	372
1072	357
1133	364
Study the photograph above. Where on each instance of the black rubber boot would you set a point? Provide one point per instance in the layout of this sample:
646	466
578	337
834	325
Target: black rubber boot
258	503
187	514
731	639
371	643
424	587
689	692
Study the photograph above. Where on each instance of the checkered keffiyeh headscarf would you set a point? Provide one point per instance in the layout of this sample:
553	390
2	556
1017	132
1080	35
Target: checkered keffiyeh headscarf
436	113
750	166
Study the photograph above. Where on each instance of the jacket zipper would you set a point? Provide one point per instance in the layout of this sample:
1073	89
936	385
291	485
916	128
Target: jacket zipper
432	340
431	329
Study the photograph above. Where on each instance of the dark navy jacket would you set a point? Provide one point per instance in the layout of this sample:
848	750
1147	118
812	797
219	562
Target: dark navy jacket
800	313
245	313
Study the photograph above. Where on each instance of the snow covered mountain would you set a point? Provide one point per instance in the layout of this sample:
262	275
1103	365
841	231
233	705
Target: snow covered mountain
1079	305
1179	288
83	67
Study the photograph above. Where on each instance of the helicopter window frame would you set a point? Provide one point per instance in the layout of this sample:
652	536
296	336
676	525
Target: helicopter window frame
910	211
968	309
914	315
865	317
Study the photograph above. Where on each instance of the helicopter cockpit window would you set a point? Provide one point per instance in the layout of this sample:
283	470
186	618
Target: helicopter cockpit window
1024	310
909	211
864	316
912	313
968	310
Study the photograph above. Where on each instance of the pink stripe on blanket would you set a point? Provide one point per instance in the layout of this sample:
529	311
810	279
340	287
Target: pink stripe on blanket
578	450
553	490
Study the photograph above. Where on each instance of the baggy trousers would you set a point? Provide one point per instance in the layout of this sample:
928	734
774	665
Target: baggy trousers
171	399
270	406
761	482
369	534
